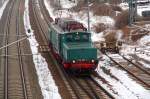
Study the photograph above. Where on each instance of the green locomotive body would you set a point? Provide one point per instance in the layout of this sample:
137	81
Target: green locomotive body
73	49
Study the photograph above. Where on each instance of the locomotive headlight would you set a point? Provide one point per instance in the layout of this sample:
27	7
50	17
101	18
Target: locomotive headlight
92	61
73	61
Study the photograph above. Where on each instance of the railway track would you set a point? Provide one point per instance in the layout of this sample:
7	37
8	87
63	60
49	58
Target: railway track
86	87
6	51
24	85
54	67
104	92
14	81
146	71
83	87
74	85
44	11
136	72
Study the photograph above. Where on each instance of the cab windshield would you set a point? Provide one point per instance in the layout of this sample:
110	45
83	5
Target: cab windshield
78	37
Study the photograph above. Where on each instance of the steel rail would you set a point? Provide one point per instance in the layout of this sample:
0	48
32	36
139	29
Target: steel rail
146	29
64	72
7	29
25	94
137	66
76	92
60	70
102	88
37	21
48	20
85	90
128	71
91	88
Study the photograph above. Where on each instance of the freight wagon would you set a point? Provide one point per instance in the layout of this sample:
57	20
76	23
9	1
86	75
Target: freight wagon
72	47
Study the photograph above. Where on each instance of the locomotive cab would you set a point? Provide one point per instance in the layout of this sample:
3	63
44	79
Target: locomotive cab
78	52
73	47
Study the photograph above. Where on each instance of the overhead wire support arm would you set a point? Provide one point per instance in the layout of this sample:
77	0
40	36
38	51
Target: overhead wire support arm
13	43
88	13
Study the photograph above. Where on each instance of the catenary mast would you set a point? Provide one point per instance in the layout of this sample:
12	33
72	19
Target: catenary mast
132	11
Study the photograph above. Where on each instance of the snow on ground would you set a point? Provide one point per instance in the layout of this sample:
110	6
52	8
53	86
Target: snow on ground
142	49
3	7
117	57
128	49
145	64
49	8
144	56
46	82
144	40
96	37
122	87
124	6
67	3
143	8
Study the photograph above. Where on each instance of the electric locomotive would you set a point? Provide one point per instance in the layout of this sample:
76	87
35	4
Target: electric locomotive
71	45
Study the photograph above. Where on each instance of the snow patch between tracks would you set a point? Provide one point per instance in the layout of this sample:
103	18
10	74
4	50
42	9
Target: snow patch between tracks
122	87
46	82
2	8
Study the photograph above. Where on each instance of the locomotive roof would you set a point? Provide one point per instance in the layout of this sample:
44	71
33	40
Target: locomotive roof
61	31
67	19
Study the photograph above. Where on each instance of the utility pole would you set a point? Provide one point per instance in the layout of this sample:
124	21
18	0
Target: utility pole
88	14
132	10
130	2
0	4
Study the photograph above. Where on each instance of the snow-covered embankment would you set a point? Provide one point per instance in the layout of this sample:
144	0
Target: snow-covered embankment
2	8
46	82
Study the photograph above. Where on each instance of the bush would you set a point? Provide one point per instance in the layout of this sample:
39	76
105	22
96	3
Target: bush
122	20
111	36
100	27
102	9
